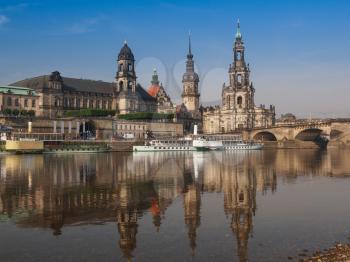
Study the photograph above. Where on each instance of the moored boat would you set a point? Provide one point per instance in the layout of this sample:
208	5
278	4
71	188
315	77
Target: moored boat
165	145
205	144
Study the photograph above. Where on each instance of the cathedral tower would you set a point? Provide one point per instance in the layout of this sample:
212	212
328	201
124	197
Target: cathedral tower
190	80
126	76
126	81
239	76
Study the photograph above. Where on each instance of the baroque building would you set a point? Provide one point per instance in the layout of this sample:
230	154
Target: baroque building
55	94
164	104
238	110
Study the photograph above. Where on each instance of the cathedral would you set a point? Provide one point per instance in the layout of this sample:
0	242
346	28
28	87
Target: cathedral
238	110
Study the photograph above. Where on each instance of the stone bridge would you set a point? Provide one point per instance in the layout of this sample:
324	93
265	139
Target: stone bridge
335	130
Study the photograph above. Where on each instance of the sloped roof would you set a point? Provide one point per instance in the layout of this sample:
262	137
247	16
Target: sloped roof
69	84
144	95
78	85
153	90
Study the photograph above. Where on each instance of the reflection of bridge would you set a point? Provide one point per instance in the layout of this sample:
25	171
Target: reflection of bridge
337	130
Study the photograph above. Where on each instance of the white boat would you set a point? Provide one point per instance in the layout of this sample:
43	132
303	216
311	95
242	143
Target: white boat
166	145
198	143
240	145
205	144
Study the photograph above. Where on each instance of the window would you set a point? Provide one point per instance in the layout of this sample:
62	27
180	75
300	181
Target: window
26	102
16	102
71	102
9	101
97	104
241	197
109	105
57	101
84	103
65	102
239	55
78	103
239	79
130	85
121	85
239	101
130	67
33	102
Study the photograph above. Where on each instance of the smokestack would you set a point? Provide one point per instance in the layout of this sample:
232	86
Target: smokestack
195	130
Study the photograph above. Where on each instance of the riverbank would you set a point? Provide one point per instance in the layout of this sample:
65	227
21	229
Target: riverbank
338	253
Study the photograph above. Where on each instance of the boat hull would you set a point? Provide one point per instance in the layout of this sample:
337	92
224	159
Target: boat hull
162	148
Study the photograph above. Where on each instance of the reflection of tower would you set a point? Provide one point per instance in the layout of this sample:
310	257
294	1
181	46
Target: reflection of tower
192	205
127	222
240	202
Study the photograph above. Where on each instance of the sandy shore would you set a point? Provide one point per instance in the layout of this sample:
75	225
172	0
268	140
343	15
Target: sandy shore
338	253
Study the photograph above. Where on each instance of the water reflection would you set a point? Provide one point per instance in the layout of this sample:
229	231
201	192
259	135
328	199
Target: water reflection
57	191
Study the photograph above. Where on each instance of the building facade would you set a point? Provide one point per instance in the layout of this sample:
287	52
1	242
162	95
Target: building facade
238	110
18	98
157	91
57	94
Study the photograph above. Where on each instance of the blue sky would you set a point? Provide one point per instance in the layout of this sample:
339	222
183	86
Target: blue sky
298	50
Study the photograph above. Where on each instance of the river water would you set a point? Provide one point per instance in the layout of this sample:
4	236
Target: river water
173	206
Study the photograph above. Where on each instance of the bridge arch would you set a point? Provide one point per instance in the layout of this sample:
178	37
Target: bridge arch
335	134
309	134
265	136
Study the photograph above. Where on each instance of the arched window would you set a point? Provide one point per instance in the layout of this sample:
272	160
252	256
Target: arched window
239	55
228	101
57	101
120	85
9	101
130	67
130	85
121	67
239	101
239	79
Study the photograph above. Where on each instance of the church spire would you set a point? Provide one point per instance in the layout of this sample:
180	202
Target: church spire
189	56
238	32
155	80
